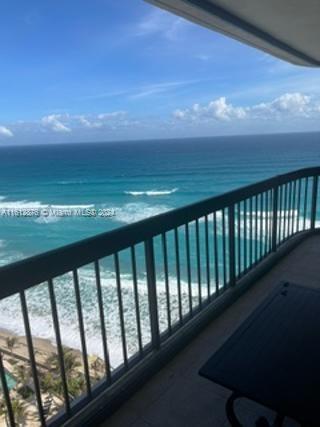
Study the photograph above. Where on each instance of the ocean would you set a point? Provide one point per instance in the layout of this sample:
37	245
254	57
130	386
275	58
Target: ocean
131	180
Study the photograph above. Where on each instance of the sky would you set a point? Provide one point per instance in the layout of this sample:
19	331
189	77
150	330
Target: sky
104	70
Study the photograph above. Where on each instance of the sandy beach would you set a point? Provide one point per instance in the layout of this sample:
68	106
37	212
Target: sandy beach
43	348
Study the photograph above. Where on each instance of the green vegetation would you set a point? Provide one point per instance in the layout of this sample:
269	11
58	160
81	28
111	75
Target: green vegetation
97	367
25	392
17	409
11	343
71	362
22	374
51	382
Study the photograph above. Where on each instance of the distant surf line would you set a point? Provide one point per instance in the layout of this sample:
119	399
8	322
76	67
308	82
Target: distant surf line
151	192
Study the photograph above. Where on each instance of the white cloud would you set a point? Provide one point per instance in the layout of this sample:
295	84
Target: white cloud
54	123
5	132
218	109
98	121
221	110
285	106
291	111
66	123
89	123
180	114
289	104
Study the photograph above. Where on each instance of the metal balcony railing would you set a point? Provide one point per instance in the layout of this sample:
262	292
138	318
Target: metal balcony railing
176	266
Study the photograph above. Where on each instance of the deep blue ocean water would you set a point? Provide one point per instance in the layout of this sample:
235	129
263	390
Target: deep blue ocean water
134	179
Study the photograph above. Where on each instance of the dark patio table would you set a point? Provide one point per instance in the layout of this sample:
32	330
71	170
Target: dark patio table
274	357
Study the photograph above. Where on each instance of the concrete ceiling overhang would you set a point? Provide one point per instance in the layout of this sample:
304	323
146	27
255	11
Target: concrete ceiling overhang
287	29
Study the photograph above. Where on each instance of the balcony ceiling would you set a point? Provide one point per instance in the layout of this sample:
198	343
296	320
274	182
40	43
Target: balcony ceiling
287	29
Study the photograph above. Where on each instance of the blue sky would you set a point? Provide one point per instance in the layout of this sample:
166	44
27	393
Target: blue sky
103	70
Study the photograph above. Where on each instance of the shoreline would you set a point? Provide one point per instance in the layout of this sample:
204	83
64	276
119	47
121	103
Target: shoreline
43	348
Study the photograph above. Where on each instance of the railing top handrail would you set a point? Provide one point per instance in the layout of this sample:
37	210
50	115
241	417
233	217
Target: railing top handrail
28	272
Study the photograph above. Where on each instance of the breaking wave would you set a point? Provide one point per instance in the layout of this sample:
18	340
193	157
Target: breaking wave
41	317
133	212
151	192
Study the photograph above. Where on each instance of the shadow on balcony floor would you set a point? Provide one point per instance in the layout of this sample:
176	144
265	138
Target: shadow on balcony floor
177	396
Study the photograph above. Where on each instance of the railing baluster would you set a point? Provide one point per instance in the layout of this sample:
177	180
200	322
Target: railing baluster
6	394
275	218
270	208
166	279
314	201
250	234
294	213
176	243
245	243
293	206
102	322
231	233
285	210
216	253
121	313
207	256
152	294
267	244
288	186
256	230
262	213
279	216
37	390
289	208
298	206
266	225
305	203
82	331
188	268
60	353
239	237
284	198
284	195
136	298
224	254
198	262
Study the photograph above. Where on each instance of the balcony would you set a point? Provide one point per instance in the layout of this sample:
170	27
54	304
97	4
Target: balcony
177	396
193	273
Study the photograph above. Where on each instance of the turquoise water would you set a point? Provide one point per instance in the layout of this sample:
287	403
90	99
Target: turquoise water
136	179
132	179
11	382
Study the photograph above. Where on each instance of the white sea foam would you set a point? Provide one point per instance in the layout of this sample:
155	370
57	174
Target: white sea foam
151	192
8	257
72	206
21	204
48	219
41	319
27	204
133	212
35	204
